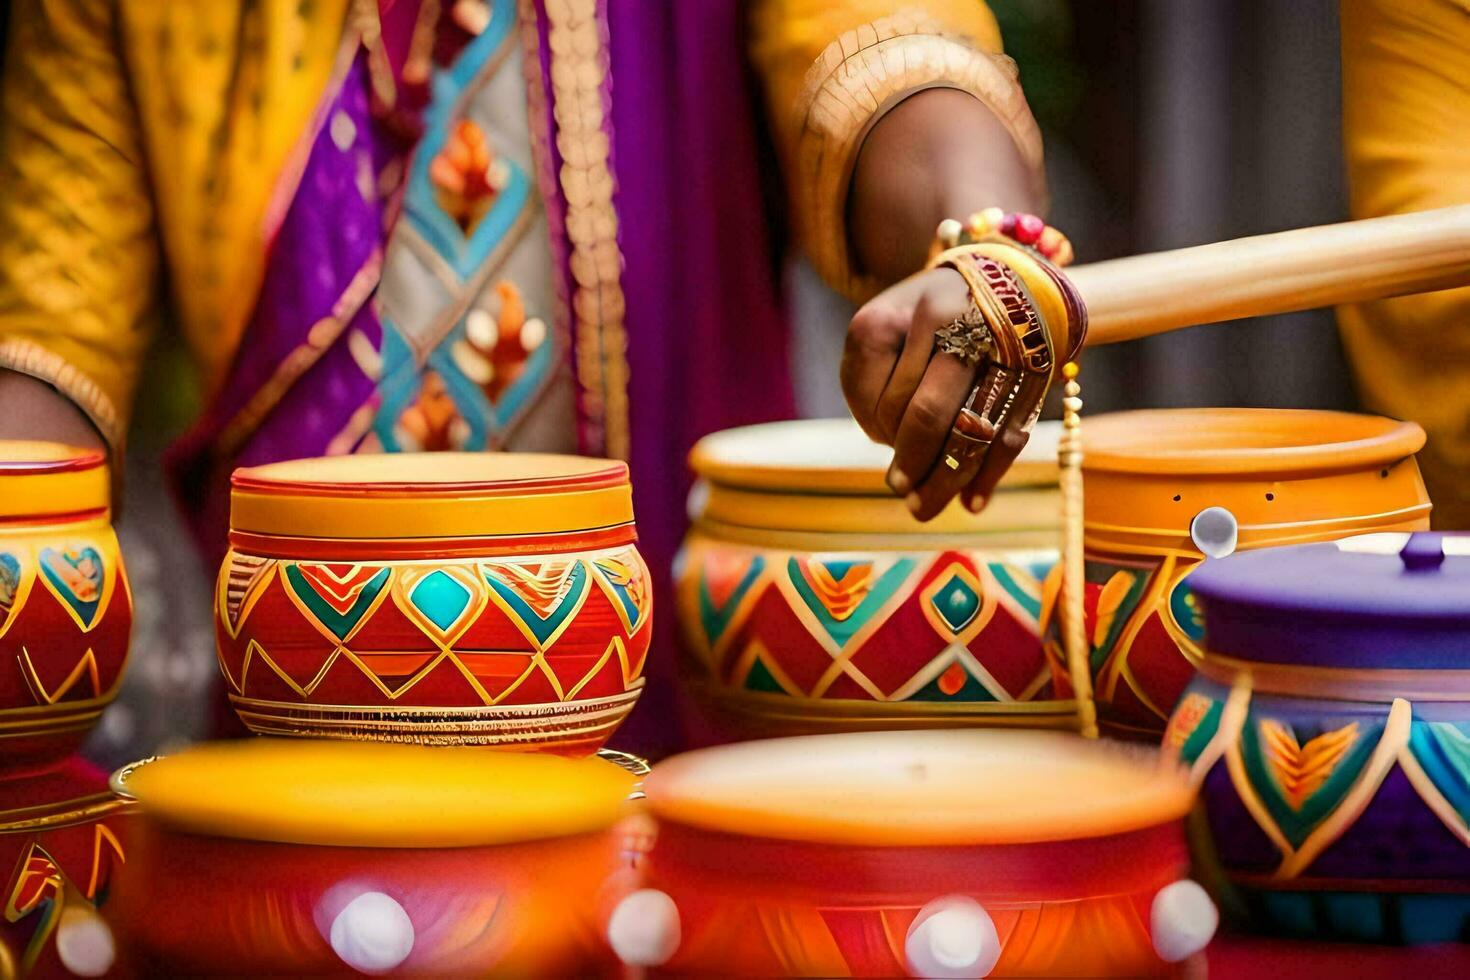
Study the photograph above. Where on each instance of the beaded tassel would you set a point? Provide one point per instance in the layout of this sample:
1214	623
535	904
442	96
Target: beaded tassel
1073	619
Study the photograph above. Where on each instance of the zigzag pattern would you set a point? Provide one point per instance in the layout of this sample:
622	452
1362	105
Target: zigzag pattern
503	632
957	626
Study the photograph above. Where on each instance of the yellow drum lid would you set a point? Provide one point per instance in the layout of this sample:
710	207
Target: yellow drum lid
931	788
430	495
40	481
833	456
369	794
826	476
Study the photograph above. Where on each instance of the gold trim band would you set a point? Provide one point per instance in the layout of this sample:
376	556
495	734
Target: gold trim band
1346	683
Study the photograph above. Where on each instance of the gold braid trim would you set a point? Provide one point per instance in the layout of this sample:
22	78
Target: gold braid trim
856	80
579	66
24	357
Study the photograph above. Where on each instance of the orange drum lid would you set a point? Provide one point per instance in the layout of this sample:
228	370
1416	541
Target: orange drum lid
834	456
376	794
1256	441
431	495
41	480
930	788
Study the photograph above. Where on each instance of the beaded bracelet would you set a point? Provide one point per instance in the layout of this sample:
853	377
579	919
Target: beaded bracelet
1026	230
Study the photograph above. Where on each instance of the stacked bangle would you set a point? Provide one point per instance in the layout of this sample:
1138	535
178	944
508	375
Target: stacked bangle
1032	323
1025	319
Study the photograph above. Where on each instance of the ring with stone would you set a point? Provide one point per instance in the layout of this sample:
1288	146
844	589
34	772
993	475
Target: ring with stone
966	337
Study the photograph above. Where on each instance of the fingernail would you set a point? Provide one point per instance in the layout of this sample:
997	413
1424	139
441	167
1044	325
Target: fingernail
898	481
977	504
914	502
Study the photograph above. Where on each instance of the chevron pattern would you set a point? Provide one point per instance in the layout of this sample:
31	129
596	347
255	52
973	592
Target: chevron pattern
454	633
955	627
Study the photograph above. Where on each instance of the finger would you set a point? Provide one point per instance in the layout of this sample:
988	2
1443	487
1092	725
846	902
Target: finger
1012	438
970	439
948	295
875	338
930	413
963	454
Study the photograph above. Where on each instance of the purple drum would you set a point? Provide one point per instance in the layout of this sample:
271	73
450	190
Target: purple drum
1329	733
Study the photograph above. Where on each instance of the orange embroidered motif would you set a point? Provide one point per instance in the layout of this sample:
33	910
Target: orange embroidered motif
499	340
467	175
432	422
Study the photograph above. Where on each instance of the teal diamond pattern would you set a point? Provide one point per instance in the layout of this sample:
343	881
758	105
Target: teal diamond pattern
440	598
957	603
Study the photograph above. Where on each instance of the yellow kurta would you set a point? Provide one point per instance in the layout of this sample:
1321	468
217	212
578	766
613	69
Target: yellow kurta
1406	124
142	141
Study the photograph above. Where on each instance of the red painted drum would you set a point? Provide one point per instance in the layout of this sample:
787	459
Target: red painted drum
65	610
811	601
61	840
298	857
464	598
1166	488
959	853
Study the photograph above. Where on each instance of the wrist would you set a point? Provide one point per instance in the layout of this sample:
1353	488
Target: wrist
940	153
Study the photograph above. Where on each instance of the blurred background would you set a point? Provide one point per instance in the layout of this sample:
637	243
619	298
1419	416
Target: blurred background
1167	123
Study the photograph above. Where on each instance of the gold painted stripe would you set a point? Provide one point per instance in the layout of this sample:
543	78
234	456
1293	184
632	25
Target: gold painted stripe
1344	683
309	516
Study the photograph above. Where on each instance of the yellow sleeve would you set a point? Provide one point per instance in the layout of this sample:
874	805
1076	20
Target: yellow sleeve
832	68
78	254
1406	116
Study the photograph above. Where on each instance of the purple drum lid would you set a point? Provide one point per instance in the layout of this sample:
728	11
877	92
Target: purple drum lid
1389	601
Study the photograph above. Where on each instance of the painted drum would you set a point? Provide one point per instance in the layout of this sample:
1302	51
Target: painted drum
811	600
1329	731
65	609
456	598
1166	488
328	858
61	833
933	853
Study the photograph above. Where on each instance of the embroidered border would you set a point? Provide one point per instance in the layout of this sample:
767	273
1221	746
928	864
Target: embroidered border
853	83
580	106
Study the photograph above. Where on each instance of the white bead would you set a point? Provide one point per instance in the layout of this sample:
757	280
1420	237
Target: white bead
343	130
952	936
372	933
1182	921
644	928
480	327
84	943
533	333
1215	532
949	232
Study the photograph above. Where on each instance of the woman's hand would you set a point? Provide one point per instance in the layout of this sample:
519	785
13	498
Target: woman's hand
905	394
938	154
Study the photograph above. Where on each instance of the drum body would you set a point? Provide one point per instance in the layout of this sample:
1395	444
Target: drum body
452	877
881	854
494	599
65	610
61	840
1283	476
811	601
1329	733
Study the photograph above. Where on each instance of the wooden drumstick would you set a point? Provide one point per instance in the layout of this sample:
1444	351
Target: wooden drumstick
1292	270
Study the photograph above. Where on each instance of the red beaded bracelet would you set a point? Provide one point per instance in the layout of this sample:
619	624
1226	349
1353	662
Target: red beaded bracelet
1023	229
